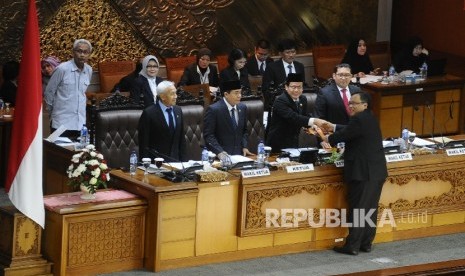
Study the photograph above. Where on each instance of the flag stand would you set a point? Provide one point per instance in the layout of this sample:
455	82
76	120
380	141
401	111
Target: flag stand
20	245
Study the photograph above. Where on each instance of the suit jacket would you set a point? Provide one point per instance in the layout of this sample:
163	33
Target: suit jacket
191	76
329	105
154	133
364	155
252	65
141	86
218	130
286	121
230	74
276	74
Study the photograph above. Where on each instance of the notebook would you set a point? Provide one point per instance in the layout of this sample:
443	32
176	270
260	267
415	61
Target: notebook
436	67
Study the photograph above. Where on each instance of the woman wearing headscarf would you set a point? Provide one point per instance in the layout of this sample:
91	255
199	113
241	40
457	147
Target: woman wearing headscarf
48	66
201	71
147	81
412	56
358	58
236	69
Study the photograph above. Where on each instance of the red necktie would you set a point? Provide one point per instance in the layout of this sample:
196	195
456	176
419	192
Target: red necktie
345	100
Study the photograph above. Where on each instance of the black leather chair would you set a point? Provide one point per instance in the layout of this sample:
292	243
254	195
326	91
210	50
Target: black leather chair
193	128
114	129
255	109
306	140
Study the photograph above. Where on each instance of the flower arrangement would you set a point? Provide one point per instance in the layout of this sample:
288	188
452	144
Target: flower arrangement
88	168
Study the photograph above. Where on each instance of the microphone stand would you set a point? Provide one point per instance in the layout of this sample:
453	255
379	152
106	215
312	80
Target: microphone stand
437	145
174	176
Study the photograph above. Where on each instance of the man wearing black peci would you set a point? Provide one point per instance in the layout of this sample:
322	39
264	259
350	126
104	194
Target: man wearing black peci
161	125
364	171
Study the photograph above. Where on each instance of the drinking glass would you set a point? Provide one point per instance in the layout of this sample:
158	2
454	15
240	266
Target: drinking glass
411	138
146	162
7	109
267	153
159	162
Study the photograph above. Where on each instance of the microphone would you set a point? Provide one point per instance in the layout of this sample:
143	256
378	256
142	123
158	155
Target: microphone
174	176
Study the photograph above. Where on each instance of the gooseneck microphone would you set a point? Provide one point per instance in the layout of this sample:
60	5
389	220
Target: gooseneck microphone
172	175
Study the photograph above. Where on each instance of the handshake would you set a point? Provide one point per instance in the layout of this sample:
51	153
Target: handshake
323	126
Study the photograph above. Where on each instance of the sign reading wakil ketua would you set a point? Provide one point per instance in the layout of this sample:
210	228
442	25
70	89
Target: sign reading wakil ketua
458	151
255	173
299	168
398	157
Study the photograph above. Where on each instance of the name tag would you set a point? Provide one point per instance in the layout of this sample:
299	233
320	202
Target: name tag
255	173
458	151
339	163
299	168
399	157
224	183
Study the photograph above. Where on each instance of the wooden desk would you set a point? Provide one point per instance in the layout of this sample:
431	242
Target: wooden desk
56	161
432	106
5	135
100	236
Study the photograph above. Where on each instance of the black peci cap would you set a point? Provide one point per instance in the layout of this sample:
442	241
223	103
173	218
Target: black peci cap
292	77
230	85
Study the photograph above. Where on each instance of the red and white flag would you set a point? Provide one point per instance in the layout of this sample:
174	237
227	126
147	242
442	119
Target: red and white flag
24	174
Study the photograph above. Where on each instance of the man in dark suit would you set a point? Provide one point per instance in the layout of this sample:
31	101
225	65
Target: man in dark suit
364	171
225	123
332	103
289	115
256	64
161	126
276	72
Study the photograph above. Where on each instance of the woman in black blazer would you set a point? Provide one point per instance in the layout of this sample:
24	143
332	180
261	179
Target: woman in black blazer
201	71
147	81
236	69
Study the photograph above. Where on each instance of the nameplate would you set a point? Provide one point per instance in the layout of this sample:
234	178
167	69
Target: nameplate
458	151
339	163
255	173
224	183
299	168
398	157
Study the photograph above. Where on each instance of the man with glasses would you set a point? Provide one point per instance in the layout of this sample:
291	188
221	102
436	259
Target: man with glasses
364	171
289	115
276	73
256	64
65	95
332	103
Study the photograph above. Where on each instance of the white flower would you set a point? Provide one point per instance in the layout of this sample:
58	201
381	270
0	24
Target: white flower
76	173
93	154
81	168
100	156
103	166
90	147
96	172
93	162
108	176
93	181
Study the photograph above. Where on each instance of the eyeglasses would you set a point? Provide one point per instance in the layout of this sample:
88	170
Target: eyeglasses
152	66
355	103
342	76
82	52
296	87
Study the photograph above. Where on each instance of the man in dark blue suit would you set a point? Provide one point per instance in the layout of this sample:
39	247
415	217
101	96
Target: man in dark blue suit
256	64
365	171
277	71
161	126
225	123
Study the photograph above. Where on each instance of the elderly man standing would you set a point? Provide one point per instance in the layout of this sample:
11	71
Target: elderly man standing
161	126
65	95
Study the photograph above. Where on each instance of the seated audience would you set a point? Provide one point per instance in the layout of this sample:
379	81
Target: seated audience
236	69
161	126
412	56
201	71
147	81
9	87
225	123
256	64
358	58
48	66
126	82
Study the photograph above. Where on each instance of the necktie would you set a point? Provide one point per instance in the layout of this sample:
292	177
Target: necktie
290	68
297	104
345	100
233	117
262	68
170	119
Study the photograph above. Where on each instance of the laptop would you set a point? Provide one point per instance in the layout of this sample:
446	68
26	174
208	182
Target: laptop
436	67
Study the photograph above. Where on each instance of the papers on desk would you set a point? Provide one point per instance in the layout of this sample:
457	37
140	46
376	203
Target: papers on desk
418	142
441	139
239	158
184	165
367	79
296	152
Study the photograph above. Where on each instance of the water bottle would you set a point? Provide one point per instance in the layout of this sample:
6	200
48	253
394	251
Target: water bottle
204	155
133	163
424	71
84	139
392	72
261	154
405	139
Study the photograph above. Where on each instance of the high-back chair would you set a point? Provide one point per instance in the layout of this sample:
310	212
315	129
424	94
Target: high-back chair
256	131
380	54
222	62
193	128
111	72
114	128
175	67
325	58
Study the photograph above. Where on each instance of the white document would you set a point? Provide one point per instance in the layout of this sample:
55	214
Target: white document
368	79
239	158
296	152
52	137
421	142
441	139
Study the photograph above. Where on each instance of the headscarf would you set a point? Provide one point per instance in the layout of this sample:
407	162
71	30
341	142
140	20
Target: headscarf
145	62
53	61
357	62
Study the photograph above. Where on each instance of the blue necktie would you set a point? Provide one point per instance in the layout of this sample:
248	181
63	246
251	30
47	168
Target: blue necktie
170	119
233	118
262	68
290	69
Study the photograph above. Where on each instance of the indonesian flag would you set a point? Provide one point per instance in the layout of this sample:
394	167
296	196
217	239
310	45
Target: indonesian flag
24	174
